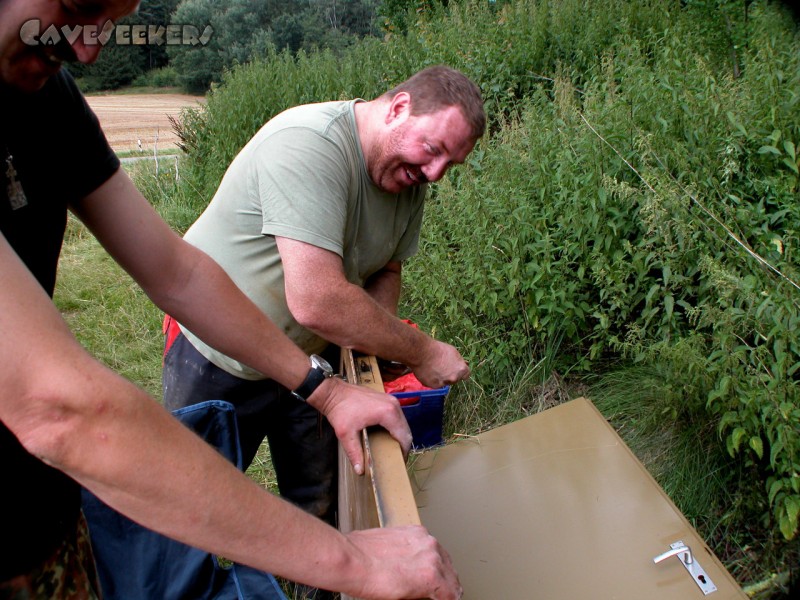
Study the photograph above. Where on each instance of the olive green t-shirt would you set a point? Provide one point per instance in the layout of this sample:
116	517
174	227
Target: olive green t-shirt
302	176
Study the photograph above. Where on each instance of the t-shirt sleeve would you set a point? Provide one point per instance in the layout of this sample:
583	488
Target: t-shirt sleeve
91	161
302	184
409	243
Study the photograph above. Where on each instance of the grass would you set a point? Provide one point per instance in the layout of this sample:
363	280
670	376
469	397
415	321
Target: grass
116	322
168	152
690	464
107	311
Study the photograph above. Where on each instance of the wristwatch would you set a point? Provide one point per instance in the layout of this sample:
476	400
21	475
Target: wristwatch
319	372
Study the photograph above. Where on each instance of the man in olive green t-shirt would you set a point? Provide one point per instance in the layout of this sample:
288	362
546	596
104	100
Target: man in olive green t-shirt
313	220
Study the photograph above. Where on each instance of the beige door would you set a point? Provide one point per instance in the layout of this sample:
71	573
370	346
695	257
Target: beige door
556	507
552	507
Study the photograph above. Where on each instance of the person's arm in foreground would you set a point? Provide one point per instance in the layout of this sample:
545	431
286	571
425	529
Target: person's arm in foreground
315	281
185	283
78	416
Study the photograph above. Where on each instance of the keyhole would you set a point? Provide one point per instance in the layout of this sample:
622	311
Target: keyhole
702	578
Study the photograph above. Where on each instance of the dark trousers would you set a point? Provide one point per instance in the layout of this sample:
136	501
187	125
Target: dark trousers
302	443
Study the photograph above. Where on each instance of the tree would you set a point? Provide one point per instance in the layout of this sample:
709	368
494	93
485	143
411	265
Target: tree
240	32
287	32
245	29
158	13
119	65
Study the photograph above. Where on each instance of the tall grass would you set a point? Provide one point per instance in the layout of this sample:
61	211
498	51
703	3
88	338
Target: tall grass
629	225
109	314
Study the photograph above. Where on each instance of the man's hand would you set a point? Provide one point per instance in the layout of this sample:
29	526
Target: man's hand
350	408
407	562
441	365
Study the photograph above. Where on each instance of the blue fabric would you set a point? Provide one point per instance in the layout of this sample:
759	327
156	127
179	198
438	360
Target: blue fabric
135	563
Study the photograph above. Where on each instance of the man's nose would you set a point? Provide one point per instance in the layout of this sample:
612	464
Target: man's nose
436	169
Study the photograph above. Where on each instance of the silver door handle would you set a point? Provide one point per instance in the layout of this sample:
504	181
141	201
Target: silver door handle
683	549
684	554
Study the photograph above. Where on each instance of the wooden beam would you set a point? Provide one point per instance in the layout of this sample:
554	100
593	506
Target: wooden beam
382	497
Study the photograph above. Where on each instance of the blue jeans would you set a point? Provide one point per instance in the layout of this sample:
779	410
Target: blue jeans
302	443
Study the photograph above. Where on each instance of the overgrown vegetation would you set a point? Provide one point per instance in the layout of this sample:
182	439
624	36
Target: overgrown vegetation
634	210
629	225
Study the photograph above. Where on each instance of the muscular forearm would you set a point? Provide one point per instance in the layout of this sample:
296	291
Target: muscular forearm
364	325
78	416
118	443
322	300
384	287
161	475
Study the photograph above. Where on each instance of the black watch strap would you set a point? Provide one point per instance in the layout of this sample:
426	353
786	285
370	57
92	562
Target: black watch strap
312	381
319	372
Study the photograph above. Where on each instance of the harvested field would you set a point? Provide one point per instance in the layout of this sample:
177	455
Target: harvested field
141	121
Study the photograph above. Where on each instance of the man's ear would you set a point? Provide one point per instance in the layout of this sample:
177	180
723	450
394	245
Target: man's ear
399	109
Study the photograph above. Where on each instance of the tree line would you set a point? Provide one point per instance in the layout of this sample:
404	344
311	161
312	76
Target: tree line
241	31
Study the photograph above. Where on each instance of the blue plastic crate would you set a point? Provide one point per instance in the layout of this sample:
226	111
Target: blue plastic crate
424	411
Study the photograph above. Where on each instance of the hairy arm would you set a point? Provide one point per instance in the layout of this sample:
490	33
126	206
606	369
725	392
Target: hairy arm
75	414
385	285
321	299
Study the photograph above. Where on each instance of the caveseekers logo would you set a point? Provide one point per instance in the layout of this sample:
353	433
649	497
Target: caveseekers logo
124	35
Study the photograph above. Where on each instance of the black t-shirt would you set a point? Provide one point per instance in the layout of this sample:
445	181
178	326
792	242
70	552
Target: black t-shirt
59	155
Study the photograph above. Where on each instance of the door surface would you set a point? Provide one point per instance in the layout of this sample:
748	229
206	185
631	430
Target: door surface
556	507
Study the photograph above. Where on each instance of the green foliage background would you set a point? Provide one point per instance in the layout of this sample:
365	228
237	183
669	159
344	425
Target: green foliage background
631	219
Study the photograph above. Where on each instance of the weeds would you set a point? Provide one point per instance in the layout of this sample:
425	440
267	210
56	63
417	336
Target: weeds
609	225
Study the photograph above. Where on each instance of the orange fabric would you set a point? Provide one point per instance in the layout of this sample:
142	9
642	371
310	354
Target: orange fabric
405	383
171	330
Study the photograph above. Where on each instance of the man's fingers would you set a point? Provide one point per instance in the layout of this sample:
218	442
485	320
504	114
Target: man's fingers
354	451
394	421
401	432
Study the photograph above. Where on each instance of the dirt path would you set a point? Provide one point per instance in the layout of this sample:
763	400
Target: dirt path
131	120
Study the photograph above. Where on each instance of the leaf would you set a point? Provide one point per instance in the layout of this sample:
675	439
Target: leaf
735	123
757	445
775	487
669	304
786	527
728	418
653	289
769	150
791	164
735	440
788	146
793	508
775	450
787	516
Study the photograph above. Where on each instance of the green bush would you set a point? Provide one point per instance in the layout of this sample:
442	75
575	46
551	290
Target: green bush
625	217
636	196
158	78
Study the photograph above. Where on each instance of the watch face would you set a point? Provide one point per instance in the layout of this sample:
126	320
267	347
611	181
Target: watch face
318	361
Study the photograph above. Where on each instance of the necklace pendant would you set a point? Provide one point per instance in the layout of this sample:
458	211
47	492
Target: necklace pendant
16	195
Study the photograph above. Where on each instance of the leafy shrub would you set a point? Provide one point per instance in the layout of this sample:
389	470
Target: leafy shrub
630	215
636	197
158	78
